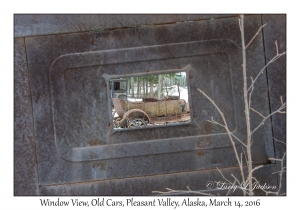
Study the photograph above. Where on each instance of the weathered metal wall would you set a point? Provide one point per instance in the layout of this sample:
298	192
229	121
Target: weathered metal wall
33	25
277	80
62	122
25	170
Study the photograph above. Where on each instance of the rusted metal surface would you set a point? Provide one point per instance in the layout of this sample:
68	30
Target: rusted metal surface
80	100
172	119
164	111
91	114
144	185
33	25
79	152
134	114
25	166
149	99
276	31
153	109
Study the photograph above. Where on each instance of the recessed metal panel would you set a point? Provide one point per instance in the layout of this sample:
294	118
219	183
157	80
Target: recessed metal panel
80	99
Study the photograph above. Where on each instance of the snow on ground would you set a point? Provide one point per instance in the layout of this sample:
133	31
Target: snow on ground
173	91
134	99
115	115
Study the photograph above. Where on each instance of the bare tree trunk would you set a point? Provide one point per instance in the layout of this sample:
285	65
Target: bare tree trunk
151	89
138	88
129	86
132	87
144	91
247	114
159	86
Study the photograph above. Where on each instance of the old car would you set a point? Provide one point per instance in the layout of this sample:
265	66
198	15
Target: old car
150	111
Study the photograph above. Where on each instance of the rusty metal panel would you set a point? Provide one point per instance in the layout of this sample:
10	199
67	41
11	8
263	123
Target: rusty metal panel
144	185
25	166
158	108
76	142
44	24
276	30
276	74
196	53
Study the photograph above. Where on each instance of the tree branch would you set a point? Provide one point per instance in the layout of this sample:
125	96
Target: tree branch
277	56
283	106
255	35
250	95
171	191
257	113
215	122
227	130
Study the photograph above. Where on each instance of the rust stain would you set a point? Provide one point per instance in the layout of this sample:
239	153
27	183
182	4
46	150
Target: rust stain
201	153
100	165
153	109
204	143
95	142
208	127
93	155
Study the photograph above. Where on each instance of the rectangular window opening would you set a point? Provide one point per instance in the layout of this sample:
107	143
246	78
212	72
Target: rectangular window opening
149	100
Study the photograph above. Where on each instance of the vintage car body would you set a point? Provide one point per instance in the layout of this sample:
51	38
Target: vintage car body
150	111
